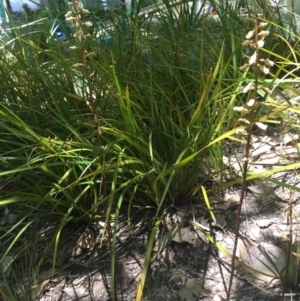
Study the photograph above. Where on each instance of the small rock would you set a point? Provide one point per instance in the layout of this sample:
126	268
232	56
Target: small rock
217	298
75	292
263	223
219	236
254	232
78	281
76	251
168	255
130	266
219	287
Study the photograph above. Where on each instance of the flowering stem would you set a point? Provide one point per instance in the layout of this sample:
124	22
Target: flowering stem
258	65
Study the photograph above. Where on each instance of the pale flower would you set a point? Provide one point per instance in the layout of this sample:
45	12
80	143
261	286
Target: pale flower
248	87
263	33
265	89
244	67
247	42
269	63
91	54
241	131
251	102
260	43
252	59
264	69
250	34
239	109
262	25
70	19
68	14
88	24
243	120
78	65
261	125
